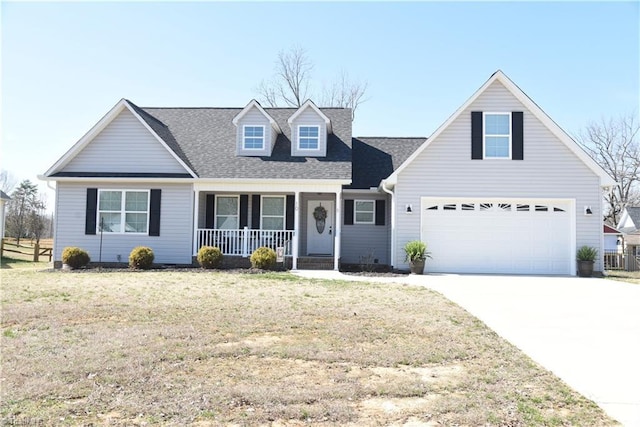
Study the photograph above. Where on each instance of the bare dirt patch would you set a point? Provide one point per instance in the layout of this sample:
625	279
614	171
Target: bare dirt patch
179	348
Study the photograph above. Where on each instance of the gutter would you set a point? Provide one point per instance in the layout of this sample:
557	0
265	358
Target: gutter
383	186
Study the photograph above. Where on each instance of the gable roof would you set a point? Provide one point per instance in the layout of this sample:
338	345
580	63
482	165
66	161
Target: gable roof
605	179
207	138
170	145
255	104
4	196
309	104
375	158
607	229
634	214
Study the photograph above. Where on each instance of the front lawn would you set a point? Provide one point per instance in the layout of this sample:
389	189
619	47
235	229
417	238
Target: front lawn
624	276
209	348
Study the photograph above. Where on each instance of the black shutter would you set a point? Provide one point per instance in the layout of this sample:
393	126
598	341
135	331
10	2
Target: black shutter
380	212
209	215
255	212
154	212
348	212
517	136
244	210
290	212
476	135
91	211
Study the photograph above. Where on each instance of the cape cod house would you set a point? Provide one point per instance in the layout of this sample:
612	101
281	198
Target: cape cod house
498	188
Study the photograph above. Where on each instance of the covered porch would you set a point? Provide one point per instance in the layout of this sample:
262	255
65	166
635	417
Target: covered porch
238	219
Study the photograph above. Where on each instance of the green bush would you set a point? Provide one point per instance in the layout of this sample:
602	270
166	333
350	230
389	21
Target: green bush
587	253
209	257
141	257
416	250
75	257
263	258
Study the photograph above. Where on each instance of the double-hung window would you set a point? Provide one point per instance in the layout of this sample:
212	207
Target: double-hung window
273	213
123	211
253	137
308	137
227	212
497	135
364	212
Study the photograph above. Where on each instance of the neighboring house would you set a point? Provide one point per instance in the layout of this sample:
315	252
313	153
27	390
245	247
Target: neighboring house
612	239
629	224
4	198
498	188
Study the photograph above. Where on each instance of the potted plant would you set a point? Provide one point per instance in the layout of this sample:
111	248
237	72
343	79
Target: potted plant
416	253
586	256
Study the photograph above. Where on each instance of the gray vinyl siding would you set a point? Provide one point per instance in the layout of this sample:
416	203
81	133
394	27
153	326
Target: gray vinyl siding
255	118
309	118
173	246
549	170
360	240
124	145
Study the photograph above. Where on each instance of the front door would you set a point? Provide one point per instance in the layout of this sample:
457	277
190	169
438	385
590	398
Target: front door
320	227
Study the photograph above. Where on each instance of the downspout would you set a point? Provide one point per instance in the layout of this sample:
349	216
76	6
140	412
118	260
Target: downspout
383	186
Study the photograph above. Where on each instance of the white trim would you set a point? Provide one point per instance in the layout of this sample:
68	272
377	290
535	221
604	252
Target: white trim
123	210
306	137
255	104
244	138
484	135
355	212
284	210
215	211
309	104
605	179
99	127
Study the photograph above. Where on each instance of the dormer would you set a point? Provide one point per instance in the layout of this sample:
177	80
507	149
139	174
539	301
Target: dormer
310	128
256	131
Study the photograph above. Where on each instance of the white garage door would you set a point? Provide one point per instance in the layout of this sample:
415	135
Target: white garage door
498	235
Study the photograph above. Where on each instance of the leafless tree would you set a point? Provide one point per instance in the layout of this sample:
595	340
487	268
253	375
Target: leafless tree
291	85
615	145
7	181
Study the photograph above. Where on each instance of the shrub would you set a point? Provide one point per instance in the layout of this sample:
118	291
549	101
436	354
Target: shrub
209	257
587	253
416	250
75	257
141	257
263	258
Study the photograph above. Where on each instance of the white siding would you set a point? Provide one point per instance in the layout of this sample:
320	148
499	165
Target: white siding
173	246
360	240
124	145
309	118
549	170
255	118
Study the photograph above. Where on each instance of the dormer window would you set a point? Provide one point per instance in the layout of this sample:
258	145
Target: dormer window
253	137
497	135
308	137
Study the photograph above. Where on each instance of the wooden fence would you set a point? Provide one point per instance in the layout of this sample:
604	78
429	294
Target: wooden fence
614	260
31	251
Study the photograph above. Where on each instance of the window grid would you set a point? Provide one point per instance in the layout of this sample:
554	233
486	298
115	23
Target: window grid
123	211
308	137
364	212
497	135
253	137
272	213
227	212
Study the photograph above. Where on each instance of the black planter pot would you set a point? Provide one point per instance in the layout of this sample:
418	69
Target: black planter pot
417	266
585	268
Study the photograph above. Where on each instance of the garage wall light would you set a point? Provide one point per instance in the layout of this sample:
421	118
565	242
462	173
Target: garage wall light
409	209
587	210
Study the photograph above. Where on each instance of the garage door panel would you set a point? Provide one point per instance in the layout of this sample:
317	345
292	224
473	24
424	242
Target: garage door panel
497	236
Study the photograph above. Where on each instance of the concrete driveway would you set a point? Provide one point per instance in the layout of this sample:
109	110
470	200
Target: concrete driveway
586	331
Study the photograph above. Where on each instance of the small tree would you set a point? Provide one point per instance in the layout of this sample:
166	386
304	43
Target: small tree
24	201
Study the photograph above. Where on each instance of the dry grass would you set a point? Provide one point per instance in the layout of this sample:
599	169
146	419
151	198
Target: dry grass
208	348
624	276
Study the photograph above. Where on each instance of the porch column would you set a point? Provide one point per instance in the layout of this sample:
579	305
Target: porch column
196	209
338	232
296	231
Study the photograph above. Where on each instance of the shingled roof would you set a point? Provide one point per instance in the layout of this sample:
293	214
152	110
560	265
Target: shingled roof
634	213
375	158
205	138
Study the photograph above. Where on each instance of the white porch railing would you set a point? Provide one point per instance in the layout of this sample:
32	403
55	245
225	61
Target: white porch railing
243	242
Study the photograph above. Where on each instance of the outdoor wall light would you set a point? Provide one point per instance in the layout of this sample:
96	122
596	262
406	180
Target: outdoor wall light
409	209
587	210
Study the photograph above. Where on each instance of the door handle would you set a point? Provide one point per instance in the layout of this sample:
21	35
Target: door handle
330	230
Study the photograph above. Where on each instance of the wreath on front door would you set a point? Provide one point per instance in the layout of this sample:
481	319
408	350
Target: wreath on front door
320	213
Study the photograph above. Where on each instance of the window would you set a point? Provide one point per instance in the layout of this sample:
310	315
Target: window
364	212
273	213
121	211
253	137
227	212
308	137
497	135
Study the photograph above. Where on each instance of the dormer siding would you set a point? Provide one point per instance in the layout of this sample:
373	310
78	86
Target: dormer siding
255	118
309	118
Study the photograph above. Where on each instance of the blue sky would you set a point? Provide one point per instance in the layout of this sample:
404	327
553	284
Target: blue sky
64	65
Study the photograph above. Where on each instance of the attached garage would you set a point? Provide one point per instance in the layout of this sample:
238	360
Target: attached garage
499	235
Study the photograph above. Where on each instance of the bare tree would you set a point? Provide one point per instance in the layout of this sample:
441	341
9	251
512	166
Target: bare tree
292	80
24	200
7	181
615	145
